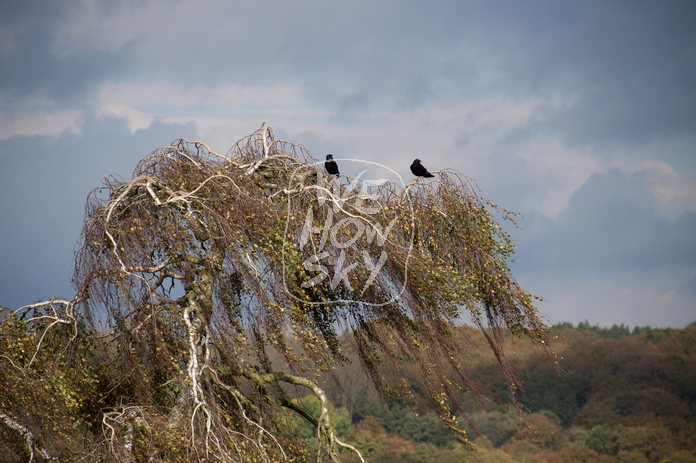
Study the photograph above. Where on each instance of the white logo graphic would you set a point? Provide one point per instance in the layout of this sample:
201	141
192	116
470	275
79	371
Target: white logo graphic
346	235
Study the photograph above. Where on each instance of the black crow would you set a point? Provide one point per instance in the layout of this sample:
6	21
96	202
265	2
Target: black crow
418	169
331	166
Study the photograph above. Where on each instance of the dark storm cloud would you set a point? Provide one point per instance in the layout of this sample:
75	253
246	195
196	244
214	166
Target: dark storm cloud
626	70
612	222
44	183
388	54
19	13
613	256
622	71
30	62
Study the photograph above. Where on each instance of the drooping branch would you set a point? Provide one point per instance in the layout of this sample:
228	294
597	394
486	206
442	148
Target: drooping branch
56	316
32	444
325	430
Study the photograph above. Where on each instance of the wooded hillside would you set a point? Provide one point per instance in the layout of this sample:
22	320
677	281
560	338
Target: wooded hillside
624	395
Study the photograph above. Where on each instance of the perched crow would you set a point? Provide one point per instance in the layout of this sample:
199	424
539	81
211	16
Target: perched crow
418	169
331	166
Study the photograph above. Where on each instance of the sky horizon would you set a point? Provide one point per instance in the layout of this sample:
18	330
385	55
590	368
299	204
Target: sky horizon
579	116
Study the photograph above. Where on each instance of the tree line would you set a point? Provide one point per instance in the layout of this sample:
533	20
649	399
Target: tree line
620	396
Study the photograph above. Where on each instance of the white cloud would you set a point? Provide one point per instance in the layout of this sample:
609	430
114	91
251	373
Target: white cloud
51	123
176	99
675	191
136	120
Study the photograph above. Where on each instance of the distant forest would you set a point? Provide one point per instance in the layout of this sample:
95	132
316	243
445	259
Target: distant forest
603	395
619	395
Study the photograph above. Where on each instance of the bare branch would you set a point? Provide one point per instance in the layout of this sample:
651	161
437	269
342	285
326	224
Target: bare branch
324	427
32	443
68	318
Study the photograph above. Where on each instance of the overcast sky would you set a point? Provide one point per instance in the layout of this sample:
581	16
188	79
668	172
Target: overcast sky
580	115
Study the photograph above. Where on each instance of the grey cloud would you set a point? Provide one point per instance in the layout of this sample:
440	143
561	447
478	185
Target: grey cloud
31	65
634	112
44	183
690	287
613	222
612	73
611	257
20	14
625	70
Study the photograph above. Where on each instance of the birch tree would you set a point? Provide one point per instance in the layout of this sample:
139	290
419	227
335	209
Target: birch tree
216	287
